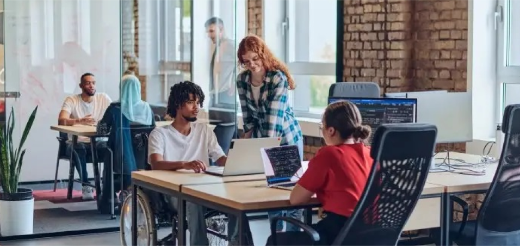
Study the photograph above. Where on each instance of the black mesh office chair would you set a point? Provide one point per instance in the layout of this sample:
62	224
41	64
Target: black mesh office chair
355	89
402	156
499	211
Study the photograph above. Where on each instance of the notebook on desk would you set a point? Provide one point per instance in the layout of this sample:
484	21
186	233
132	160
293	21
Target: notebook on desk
282	166
244	157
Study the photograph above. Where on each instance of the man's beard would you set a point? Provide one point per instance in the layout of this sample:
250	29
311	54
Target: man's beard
190	119
88	93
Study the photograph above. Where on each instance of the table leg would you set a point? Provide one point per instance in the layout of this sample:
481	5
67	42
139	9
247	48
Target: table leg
72	166
240	225
307	219
97	181
181	227
134	215
446	219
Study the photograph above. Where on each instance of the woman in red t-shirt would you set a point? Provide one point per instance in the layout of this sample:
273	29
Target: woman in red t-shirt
337	174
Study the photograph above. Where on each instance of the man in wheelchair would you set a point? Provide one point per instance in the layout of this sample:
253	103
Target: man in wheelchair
186	145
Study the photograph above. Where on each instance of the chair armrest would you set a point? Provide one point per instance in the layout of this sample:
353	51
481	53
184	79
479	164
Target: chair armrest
306	228
465	212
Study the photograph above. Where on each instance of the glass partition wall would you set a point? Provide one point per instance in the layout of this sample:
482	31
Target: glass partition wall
132	48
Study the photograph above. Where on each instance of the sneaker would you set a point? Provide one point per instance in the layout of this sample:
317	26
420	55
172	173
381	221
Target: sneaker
87	193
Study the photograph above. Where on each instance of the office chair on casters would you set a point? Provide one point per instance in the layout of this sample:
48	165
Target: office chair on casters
498	220
402	156
355	89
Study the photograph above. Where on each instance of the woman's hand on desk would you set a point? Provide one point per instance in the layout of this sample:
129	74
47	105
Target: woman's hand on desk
197	166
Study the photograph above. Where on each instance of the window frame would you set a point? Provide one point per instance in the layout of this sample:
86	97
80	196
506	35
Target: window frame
505	74
309	68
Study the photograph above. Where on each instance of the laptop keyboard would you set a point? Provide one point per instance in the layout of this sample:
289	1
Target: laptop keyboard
215	169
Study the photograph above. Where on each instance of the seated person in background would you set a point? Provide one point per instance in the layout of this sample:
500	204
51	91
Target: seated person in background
337	174
130	112
86	108
186	145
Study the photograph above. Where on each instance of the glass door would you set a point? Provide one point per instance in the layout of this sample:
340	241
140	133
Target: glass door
49	45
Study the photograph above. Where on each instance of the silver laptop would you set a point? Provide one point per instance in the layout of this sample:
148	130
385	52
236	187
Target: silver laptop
244	157
282	166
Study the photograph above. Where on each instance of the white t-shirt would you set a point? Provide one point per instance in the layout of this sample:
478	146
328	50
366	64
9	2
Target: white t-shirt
201	144
77	108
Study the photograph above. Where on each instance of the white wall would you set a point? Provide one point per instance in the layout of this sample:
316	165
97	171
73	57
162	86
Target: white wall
45	66
482	68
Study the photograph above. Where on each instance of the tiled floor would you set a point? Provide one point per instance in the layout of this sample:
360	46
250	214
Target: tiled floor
260	229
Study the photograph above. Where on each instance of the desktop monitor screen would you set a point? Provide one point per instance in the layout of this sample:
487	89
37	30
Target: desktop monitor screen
377	111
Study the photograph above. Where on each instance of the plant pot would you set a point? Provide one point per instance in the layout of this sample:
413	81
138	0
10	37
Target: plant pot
16	213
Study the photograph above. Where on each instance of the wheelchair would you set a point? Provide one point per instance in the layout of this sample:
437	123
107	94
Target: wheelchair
153	213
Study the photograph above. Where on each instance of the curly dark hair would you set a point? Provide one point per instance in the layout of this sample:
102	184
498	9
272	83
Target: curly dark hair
180	94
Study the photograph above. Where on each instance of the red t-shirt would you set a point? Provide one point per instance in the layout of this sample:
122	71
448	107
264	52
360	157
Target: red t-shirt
338	175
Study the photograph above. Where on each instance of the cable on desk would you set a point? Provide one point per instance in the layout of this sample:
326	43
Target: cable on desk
460	167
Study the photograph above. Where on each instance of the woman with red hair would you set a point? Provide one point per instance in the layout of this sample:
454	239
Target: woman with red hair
263	87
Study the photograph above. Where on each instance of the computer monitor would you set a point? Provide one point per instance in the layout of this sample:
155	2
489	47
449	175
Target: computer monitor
377	111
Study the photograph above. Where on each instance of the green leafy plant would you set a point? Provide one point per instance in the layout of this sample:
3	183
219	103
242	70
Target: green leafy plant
11	158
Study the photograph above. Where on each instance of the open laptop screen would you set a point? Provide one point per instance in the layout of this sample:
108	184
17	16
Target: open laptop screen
281	164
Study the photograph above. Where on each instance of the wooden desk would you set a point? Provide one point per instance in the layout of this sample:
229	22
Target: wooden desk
175	180
240	198
244	196
172	183
455	184
427	212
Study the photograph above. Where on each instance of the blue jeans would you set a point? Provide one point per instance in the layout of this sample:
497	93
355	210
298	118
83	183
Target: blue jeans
295	213
493	238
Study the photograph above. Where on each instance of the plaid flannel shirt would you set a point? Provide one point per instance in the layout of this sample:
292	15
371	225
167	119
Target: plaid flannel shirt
272	117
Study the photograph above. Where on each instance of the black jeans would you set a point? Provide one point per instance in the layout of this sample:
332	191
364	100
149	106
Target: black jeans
328	228
83	153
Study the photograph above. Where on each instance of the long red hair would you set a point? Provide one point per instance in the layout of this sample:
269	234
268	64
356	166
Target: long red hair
255	44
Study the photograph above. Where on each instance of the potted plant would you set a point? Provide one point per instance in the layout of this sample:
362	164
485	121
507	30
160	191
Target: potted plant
16	204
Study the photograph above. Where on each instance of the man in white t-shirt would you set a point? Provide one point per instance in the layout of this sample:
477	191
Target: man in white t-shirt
186	145
86	108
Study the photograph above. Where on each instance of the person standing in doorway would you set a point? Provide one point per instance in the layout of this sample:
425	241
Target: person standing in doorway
222	73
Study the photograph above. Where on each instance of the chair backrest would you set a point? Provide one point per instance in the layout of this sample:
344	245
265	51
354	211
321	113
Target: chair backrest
225	133
355	89
158	111
62	148
499	211
139	135
402	156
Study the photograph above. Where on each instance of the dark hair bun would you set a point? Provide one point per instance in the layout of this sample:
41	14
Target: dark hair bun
362	132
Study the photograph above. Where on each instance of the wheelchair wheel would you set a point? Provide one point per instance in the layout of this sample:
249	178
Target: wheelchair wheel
146	233
216	223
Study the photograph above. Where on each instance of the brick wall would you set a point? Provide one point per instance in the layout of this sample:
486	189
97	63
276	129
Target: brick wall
254	17
424	47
